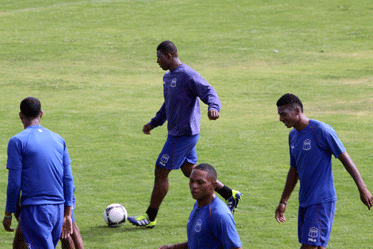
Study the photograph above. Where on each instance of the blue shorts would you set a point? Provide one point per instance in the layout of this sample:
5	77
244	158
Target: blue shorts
177	150
42	225
315	223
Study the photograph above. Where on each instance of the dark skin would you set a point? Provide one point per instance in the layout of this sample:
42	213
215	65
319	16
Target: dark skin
72	242
202	187
293	117
169	61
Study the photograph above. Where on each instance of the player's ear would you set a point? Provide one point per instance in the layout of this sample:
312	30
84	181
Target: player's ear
215	183
169	56
297	110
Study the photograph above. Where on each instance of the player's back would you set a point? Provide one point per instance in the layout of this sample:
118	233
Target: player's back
42	153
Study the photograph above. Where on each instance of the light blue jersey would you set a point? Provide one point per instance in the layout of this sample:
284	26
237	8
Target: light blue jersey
311	151
182	88
39	166
212	227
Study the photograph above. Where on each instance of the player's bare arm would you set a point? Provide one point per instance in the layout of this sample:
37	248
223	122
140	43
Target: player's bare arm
291	182
365	196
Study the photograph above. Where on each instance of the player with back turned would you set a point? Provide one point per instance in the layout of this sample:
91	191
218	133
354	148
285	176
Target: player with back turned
183	87
39	167
312	144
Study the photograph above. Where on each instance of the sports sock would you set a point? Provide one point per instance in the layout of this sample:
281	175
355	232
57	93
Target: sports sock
225	192
152	213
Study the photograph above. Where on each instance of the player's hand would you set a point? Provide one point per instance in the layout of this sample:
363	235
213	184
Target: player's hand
146	129
280	213
213	114
366	197
67	227
7	222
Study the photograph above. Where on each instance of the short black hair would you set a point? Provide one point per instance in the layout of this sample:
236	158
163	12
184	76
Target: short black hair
208	168
30	107
167	47
289	98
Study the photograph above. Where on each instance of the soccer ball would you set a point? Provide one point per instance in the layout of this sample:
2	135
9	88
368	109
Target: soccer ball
115	215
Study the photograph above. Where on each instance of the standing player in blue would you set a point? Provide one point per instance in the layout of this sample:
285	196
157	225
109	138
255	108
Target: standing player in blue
39	167
211	224
182	87
312	144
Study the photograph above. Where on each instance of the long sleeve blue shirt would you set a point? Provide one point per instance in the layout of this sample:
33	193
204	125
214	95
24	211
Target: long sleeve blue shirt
182	89
39	166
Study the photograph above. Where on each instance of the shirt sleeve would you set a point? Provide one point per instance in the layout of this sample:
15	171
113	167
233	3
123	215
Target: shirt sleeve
332	142
14	165
159	118
13	190
68	181
14	154
206	93
225	230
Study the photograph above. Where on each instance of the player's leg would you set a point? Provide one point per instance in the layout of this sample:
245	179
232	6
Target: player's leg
19	241
160	189
74	241
67	243
171	157
77	238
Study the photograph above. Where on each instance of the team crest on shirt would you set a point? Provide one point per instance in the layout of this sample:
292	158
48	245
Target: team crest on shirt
28	245
164	159
198	226
307	144
173	82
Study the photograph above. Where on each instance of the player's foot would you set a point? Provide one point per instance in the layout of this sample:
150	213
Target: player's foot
142	221
233	201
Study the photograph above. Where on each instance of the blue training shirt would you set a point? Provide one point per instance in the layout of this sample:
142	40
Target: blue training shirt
212	227
182	88
39	166
311	151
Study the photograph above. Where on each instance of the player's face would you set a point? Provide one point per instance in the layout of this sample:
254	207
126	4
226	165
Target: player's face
288	115
202	186
163	61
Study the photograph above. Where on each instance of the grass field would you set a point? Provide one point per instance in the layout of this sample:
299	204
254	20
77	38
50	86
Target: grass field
93	66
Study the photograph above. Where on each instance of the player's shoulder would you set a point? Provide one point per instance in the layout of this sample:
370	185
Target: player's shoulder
320	126
187	71
219	207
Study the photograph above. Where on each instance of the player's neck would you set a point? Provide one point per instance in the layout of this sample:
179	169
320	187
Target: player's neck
205	201
28	123
175	64
303	123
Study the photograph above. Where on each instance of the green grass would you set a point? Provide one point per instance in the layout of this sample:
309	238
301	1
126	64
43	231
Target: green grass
92	64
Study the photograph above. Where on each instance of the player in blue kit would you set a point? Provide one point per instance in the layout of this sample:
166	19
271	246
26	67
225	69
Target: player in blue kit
210	224
182	88
312	144
39	167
